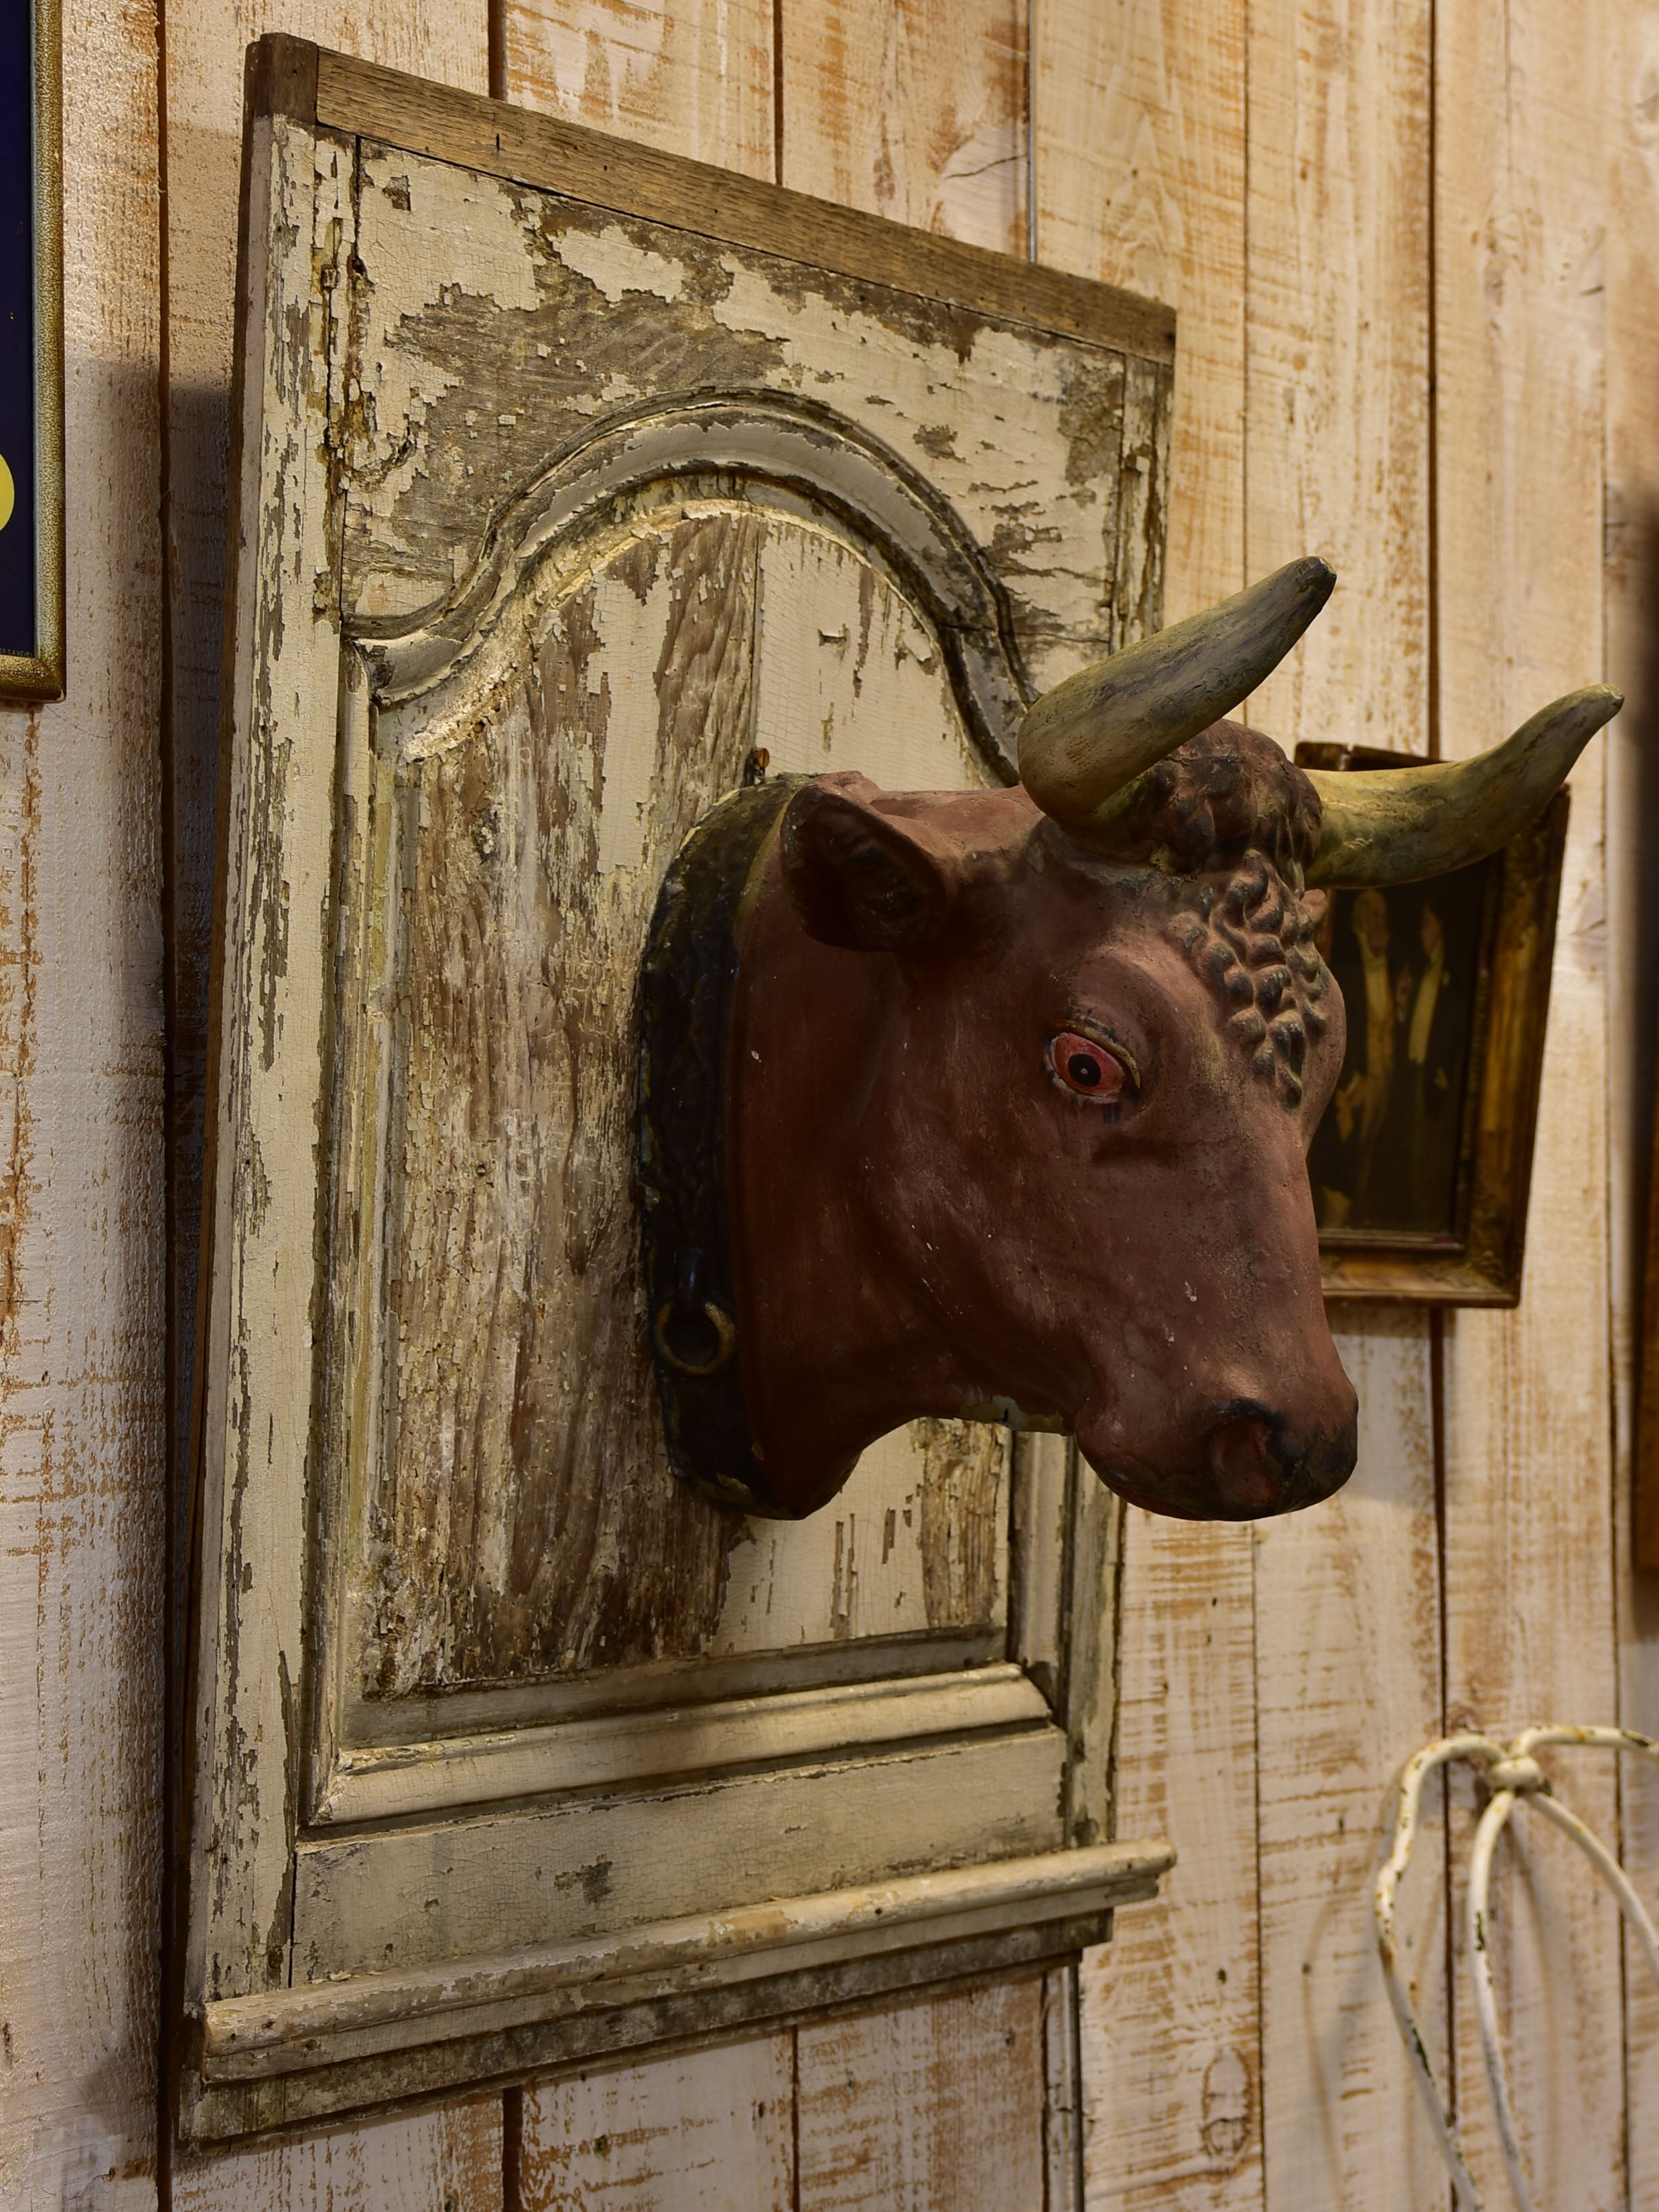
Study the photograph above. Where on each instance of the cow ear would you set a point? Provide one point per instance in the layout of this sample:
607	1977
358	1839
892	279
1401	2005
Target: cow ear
863	880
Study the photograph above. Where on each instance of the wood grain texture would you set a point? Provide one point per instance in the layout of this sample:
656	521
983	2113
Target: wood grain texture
934	2106
524	868
82	1600
912	112
1347	1688
704	2131
689	76
204	43
201	54
1530	1633
1171	2006
1631	92
1139	158
1337	373
1347	1651
1140	167
449	2161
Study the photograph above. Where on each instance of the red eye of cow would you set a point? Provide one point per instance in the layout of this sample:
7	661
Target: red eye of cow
1085	1067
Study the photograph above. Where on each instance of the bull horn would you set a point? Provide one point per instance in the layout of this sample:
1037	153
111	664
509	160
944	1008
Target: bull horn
1082	744
1397	825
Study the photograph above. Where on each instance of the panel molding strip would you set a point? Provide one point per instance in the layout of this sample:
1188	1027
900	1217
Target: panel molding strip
335	92
327	2023
389	1780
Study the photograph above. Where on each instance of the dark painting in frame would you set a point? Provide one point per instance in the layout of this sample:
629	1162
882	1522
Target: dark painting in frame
1421	1165
31	356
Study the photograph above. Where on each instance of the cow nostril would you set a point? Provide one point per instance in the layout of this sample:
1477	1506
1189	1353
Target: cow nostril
1246	1461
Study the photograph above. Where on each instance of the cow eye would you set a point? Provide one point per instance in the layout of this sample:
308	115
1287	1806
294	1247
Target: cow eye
1090	1069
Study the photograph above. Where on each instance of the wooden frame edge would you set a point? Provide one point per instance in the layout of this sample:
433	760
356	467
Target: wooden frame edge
334	91
1488	1272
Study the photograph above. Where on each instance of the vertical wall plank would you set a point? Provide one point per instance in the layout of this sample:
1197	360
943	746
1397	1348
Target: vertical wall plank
1348	1687
1337	397
689	77
1520	189
913	111
936	2106
205	42
397	2161
1347	1634
1138	109
1632	613
700	2132
448	2160
81	1438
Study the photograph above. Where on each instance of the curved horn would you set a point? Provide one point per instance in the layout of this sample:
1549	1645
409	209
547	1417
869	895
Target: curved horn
1397	825
1082	744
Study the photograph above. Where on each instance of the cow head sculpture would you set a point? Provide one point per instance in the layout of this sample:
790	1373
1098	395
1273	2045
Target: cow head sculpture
997	1102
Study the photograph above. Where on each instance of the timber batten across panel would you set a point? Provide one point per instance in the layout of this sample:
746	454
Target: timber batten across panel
574	478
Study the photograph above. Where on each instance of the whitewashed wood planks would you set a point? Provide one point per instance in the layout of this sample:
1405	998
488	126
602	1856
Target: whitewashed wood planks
1520	191
1138	157
1630	91
688	76
918	113
1347	1643
703	2131
397	2161
81	1212
1139	165
1347	1656
931	2106
446	2160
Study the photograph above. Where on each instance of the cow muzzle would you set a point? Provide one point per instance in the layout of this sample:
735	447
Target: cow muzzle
1257	1462
1250	1462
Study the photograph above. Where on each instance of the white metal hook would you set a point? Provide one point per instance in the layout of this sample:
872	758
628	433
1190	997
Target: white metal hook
1514	1777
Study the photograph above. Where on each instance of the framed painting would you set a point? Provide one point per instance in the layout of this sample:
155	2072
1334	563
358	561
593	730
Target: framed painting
575	485
31	358
1421	1165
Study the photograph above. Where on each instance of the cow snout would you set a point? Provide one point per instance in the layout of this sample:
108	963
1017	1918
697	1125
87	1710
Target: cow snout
1259	1463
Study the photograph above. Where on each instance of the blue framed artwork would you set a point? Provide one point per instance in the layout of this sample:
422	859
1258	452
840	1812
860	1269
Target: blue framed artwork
31	356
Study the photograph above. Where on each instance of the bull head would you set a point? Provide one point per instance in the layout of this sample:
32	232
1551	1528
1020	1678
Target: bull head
1007	1094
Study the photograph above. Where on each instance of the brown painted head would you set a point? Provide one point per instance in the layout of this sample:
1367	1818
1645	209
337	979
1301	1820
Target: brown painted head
1019	1084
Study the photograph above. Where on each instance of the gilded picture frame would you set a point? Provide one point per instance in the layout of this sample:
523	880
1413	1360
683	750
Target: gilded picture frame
1422	1165
32	654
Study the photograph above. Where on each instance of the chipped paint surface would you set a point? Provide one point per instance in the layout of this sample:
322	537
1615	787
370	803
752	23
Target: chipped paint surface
519	1514
475	1674
1049	450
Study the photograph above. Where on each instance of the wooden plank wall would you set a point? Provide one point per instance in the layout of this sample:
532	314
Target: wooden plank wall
1413	249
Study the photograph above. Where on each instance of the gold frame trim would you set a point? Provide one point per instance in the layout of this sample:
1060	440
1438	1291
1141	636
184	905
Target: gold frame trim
40	675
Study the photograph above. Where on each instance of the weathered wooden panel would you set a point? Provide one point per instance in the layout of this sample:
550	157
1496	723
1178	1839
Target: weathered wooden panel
1338	358
1529	1593
508	1880
1631	92
703	2131
533	819
690	77
1139	165
918	113
449	2160
1347	1688
205	41
935	2106
1346	1596
81	1528
1140	168
202	53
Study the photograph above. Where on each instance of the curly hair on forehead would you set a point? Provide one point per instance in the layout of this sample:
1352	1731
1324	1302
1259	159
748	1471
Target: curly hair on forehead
1228	804
1227	791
